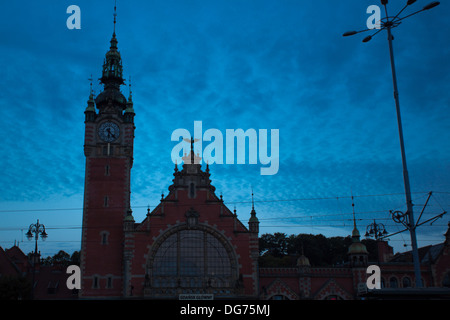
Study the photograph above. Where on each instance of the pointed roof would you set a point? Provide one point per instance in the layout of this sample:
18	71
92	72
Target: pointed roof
357	247
112	76
253	217
7	267
303	261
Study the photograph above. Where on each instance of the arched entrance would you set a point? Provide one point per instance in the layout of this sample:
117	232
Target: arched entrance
191	260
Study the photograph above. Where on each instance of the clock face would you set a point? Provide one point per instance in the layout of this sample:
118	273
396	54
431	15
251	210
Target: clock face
108	131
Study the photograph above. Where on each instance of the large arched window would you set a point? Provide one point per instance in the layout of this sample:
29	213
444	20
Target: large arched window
192	259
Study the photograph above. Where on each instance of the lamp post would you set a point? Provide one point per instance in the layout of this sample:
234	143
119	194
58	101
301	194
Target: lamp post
387	23
36	230
376	230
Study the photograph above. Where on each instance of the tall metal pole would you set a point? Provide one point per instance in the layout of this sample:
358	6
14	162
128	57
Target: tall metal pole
409	206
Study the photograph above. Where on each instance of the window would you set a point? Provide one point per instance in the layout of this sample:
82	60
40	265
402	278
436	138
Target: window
106	170
446	281
192	258
52	287
393	282
109	282
105	201
95	282
191	190
406	282
104	235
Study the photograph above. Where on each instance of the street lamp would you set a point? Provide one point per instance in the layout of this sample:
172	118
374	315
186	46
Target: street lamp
387	23
376	230
36	230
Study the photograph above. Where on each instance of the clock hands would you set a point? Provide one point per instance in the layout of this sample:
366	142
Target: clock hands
110	134
109	131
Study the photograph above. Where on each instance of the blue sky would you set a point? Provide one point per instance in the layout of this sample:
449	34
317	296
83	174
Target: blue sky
230	64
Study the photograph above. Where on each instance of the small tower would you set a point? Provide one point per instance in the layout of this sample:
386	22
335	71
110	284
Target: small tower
303	261
253	222
128	115
357	251
90	109
253	226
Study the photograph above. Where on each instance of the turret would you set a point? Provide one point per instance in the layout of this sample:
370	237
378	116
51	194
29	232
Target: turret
253	222
357	251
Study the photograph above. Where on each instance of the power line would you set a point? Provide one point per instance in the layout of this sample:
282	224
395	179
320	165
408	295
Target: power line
228	202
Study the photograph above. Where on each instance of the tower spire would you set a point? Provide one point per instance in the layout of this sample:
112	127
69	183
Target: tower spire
253	222
129	90
353	209
115	15
91	92
253	203
111	99
357	251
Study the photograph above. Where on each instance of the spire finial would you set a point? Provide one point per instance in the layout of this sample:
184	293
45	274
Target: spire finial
353	209
129	89
253	203
129	86
91	92
115	15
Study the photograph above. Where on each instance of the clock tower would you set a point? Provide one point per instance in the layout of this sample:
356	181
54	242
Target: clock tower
108	147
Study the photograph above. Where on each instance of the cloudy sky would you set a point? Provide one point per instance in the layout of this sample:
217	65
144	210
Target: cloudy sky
231	64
